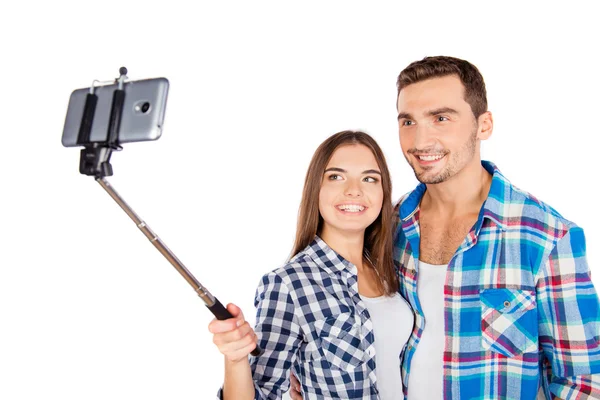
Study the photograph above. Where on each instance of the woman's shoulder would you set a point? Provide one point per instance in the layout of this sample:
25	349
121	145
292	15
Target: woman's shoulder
299	266
289	279
309	267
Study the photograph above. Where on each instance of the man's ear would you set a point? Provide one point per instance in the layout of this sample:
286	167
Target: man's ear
485	124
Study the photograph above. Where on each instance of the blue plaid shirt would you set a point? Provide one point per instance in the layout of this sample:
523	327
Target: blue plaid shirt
311	319
520	311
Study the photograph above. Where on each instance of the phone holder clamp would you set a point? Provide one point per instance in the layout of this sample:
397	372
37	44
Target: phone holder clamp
95	156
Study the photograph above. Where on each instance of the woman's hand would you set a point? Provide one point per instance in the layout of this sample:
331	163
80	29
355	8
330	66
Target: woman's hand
234	337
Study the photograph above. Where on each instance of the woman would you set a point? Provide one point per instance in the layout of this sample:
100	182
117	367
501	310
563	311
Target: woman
332	314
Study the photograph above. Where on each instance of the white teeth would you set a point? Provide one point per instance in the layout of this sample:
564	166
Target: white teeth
431	158
351	207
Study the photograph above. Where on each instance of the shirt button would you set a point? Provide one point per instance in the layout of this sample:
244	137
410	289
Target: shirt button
370	352
506	303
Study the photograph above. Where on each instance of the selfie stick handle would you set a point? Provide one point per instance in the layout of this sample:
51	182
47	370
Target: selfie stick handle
212	303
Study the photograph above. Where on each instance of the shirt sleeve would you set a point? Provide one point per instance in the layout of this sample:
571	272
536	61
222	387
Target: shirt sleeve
569	320
279	336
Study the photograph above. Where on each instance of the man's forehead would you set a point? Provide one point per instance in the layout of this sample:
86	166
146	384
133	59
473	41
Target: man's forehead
431	94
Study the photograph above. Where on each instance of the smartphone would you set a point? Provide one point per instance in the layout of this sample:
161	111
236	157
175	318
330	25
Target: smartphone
142	118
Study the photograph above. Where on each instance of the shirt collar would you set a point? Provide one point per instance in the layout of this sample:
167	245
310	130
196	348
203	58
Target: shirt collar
326	257
495	208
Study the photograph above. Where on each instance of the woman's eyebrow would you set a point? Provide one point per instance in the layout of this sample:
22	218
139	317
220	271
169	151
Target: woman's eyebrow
368	171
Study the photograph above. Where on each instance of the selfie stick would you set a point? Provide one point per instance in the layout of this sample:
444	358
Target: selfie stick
95	161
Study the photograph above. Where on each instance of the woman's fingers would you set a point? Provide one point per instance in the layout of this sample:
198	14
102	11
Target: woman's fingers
226	325
234	337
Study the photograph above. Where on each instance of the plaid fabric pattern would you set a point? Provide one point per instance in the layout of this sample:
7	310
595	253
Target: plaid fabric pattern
508	321
311	319
521	314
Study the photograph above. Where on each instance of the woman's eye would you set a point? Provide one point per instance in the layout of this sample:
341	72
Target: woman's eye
370	179
334	177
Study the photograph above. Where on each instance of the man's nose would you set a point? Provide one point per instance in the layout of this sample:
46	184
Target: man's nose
424	137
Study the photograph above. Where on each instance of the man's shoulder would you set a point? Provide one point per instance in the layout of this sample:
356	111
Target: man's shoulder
518	208
522	207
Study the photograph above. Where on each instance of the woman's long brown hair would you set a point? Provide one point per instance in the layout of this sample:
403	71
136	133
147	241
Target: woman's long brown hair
378	235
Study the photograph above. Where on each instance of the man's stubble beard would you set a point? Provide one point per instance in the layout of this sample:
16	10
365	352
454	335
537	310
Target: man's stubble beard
453	167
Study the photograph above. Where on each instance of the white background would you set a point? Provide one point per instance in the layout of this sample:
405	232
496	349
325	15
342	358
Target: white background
89	309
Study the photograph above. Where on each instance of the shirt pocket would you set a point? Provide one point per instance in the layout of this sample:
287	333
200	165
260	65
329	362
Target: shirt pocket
509	321
340	341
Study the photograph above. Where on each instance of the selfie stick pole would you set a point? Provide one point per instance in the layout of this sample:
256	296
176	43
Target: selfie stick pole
95	159
211	302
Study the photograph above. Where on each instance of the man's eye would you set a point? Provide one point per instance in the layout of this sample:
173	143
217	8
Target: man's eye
407	123
442	119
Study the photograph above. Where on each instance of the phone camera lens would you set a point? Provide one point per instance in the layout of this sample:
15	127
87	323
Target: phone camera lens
145	107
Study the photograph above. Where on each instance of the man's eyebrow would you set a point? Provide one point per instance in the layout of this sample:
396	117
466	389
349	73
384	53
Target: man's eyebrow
404	115
431	113
442	110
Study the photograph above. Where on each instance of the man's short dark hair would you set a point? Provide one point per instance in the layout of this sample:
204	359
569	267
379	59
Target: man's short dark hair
439	66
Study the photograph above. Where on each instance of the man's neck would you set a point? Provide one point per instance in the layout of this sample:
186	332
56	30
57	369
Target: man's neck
462	194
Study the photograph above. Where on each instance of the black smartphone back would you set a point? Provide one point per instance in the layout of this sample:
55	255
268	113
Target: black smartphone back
143	112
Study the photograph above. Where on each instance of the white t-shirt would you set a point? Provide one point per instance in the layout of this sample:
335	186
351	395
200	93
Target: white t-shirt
425	381
393	321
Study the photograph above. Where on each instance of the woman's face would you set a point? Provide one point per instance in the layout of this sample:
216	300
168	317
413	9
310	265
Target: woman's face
351	194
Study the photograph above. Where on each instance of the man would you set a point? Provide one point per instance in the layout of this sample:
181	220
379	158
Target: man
498	280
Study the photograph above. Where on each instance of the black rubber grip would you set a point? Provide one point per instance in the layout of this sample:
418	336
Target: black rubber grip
87	119
221	313
114	123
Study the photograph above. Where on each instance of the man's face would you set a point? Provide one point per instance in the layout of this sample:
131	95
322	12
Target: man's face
438	131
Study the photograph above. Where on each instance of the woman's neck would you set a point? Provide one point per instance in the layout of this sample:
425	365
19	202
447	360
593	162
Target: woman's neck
349	245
